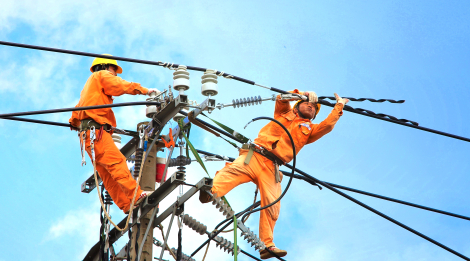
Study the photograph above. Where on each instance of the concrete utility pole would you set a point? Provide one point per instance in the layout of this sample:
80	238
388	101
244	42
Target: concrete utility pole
147	183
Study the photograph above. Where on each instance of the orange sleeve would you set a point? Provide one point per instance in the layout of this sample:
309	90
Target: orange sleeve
327	125
283	105
116	86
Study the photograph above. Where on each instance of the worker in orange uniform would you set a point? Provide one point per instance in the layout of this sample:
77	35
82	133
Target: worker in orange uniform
271	149
111	165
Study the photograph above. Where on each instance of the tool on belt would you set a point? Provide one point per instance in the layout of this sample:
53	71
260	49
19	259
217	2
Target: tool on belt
89	124
252	147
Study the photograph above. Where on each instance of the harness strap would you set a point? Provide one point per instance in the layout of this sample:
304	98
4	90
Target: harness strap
265	153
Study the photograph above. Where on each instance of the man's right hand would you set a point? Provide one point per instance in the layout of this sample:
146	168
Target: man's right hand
312	96
156	91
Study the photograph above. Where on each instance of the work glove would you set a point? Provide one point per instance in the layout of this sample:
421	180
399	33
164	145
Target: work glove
156	91
341	100
312	96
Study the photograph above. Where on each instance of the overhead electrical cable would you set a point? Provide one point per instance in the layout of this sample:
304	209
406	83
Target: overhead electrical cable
348	188
9	115
364	112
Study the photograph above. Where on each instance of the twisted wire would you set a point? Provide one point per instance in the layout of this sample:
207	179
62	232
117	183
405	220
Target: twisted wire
371	113
363	99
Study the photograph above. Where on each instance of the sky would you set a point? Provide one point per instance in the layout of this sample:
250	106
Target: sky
418	51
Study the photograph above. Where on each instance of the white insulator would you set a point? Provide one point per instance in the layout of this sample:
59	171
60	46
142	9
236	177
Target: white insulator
151	109
209	83
181	79
179	116
117	140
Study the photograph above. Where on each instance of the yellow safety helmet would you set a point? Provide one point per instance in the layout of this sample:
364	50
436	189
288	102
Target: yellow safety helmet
317	106
99	60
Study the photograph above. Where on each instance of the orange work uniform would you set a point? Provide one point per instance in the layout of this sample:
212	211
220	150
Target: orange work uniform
260	170
110	163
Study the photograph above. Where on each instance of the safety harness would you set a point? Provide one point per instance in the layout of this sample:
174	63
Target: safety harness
253	147
86	125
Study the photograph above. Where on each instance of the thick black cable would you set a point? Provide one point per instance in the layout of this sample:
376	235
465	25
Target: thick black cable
179	252
378	116
9	115
68	125
363	99
167	65
312	182
272	203
324	102
294	161
387	217
326	184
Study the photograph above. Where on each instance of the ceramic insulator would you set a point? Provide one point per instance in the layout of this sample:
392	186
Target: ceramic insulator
209	83
181	79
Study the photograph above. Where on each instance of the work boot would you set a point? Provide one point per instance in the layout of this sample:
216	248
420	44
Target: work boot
205	196
265	254
142	196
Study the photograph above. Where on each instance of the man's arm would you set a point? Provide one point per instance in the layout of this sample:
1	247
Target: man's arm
327	125
116	86
283	106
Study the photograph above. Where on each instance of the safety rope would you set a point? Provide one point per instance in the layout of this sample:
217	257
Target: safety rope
166	246
92	145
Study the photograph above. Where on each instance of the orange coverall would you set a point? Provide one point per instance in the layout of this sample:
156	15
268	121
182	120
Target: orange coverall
110	163
260	170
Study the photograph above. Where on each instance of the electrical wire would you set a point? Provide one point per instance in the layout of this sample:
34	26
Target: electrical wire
9	115
226	75
294	162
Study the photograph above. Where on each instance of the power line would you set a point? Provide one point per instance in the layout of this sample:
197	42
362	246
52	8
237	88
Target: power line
360	111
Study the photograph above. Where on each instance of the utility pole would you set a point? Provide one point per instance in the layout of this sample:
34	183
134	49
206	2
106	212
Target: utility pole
147	183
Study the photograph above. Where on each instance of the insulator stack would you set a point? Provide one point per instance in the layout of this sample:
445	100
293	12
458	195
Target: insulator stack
247	101
184	257
179	161
226	245
138	162
253	239
223	207
107	199
194	224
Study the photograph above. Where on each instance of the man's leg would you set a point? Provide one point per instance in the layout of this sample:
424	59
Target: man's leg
232	175
113	189
269	192
111	159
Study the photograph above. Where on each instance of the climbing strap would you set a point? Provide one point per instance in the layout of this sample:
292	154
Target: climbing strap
92	145
193	120
193	150
229	130
191	147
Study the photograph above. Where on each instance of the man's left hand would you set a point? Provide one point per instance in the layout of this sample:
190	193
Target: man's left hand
341	100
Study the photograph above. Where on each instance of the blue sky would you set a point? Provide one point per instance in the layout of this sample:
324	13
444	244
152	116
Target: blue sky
417	51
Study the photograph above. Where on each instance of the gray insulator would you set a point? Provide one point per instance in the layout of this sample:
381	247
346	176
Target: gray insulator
179	161
246	101
230	214
215	200
194	224
220	203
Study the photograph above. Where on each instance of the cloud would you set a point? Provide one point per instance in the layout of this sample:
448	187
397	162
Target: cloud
80	224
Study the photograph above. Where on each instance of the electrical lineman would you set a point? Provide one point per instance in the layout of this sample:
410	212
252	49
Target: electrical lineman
111	165
259	162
